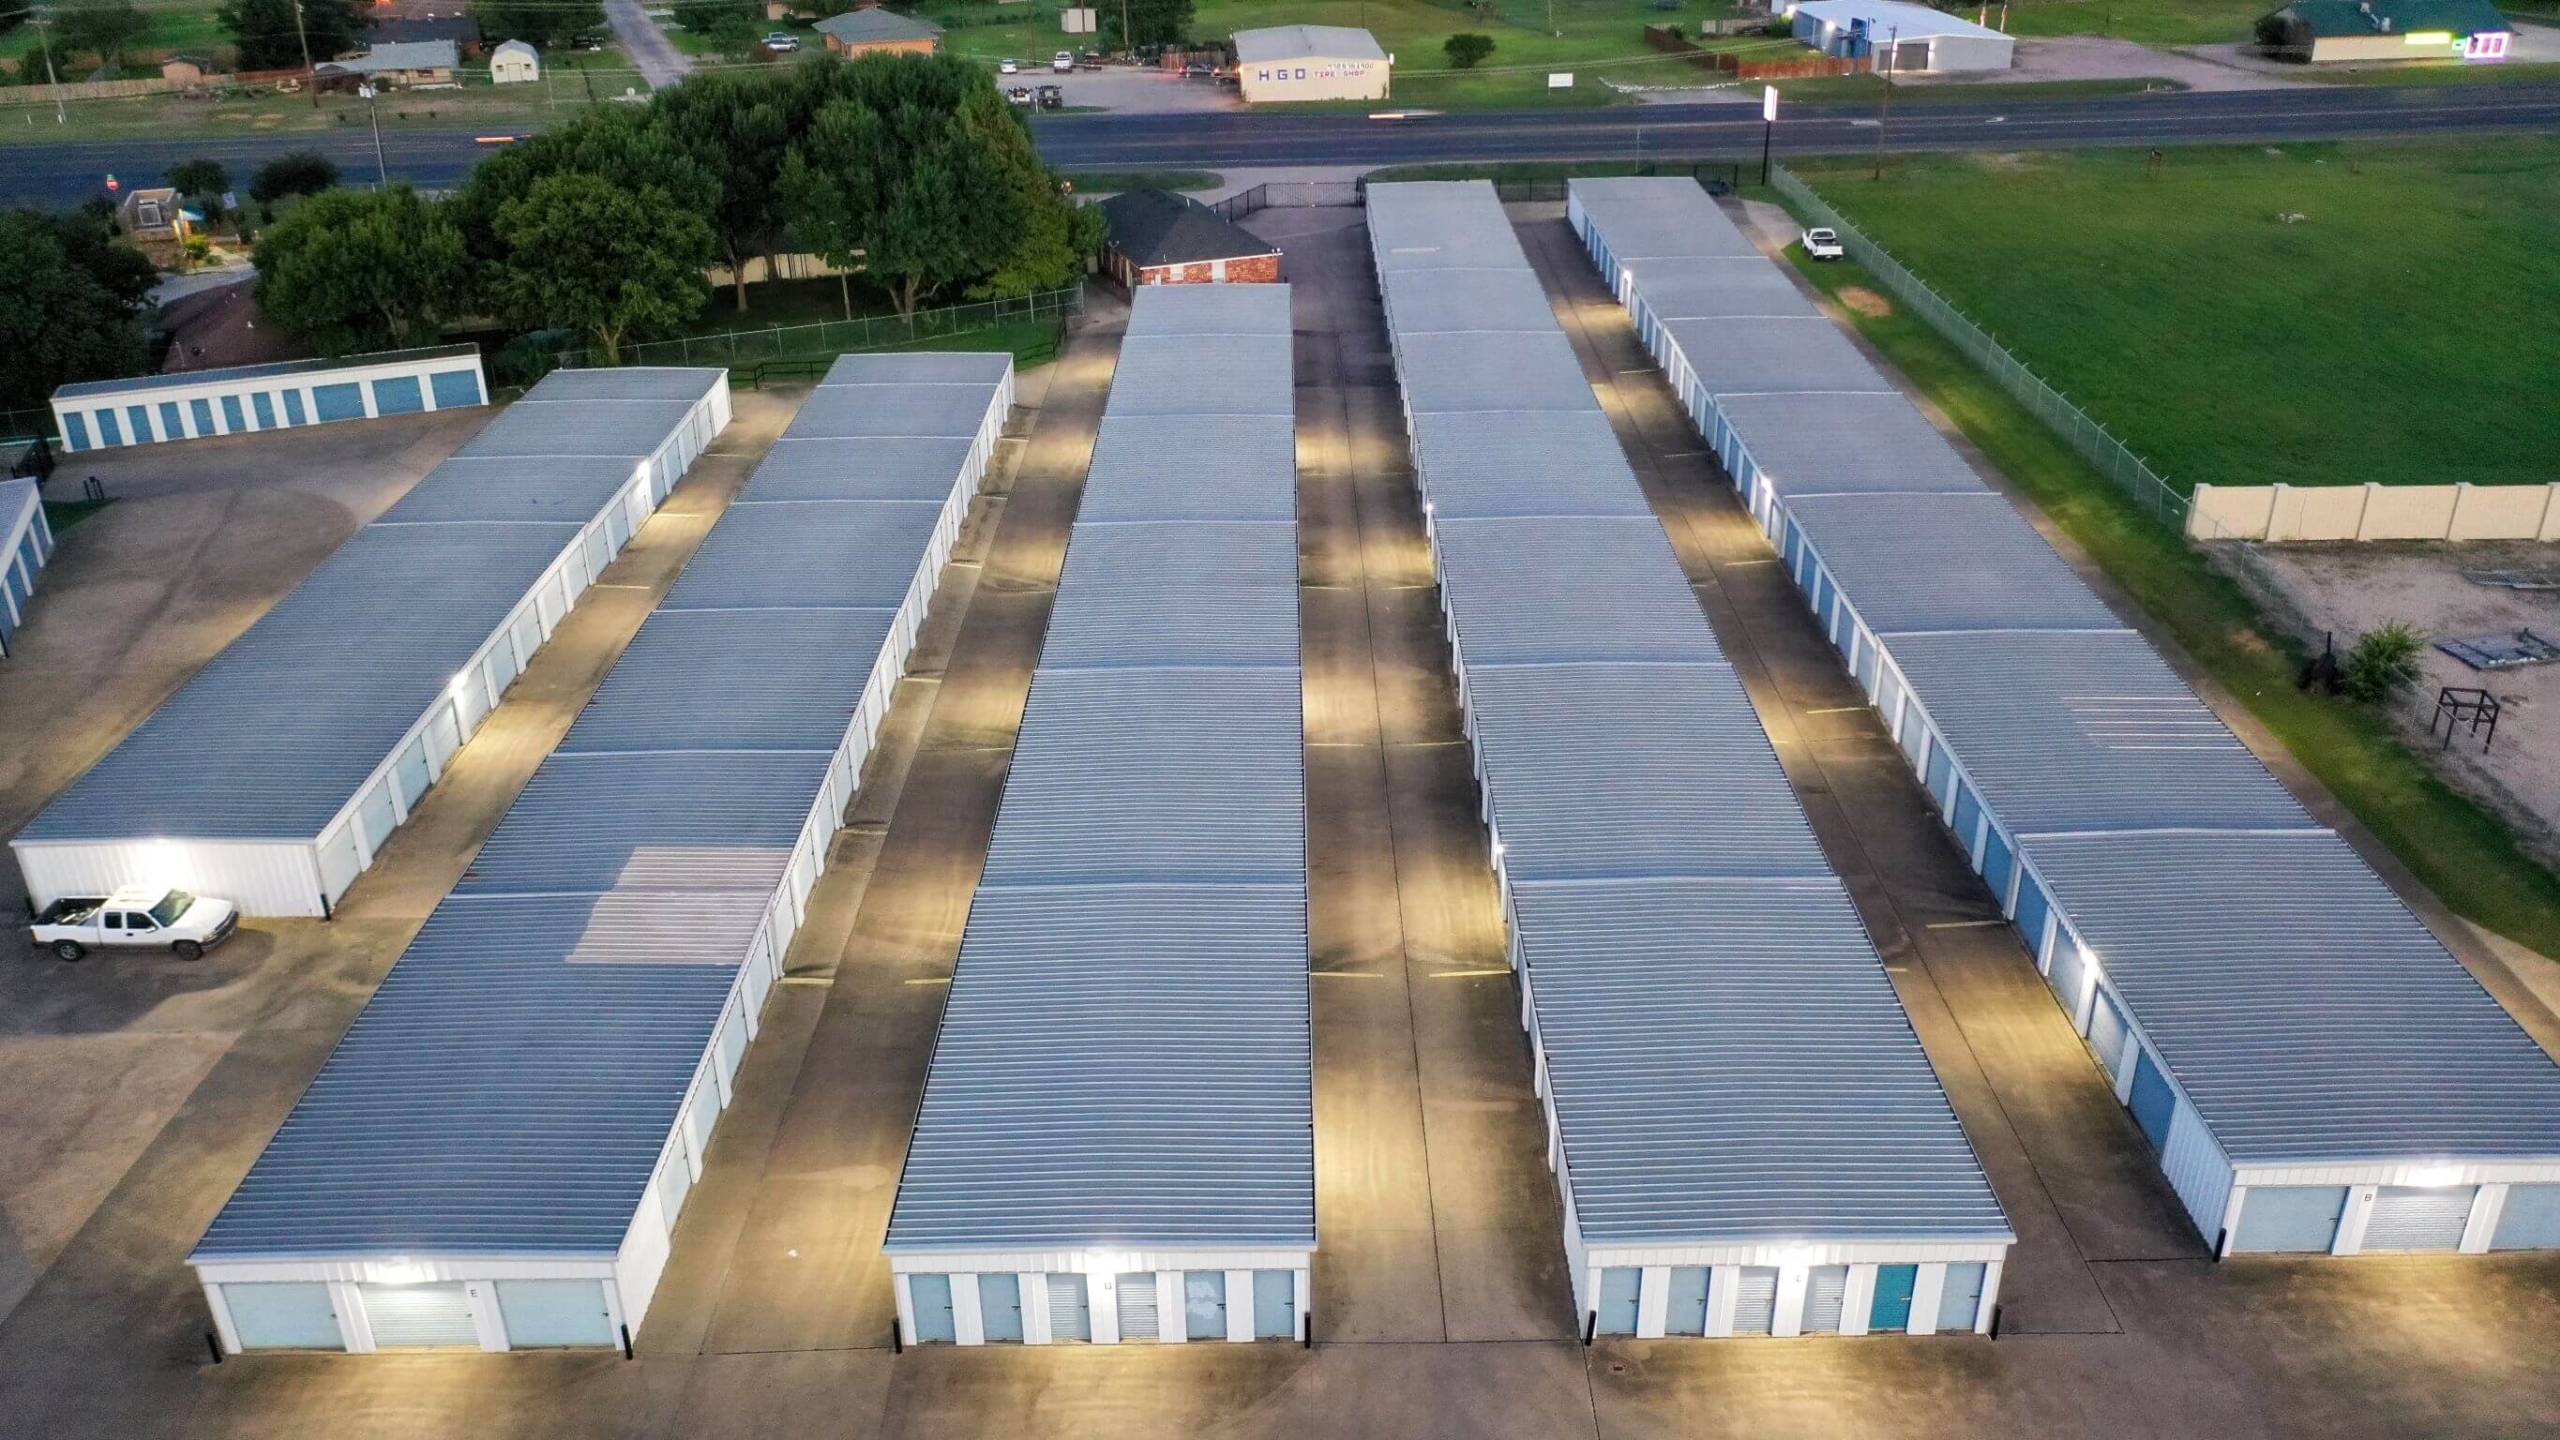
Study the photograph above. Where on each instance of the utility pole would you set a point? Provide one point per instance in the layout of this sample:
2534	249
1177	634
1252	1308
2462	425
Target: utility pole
381	171
44	31
1768	127
310	76
1884	98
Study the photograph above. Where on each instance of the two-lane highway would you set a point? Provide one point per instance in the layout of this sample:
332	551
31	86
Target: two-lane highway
65	173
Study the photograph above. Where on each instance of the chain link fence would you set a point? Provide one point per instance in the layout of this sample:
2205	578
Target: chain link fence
1290	194
2088	438
873	332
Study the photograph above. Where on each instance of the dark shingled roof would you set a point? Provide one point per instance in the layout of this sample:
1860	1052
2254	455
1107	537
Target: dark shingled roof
1157	227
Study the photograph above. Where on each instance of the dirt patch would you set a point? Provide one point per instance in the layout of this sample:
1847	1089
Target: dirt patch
2350	589
1865	301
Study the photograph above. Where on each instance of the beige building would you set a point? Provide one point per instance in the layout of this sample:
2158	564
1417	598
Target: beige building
1310	62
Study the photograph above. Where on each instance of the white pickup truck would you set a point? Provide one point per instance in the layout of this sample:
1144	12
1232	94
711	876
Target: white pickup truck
136	915
1823	243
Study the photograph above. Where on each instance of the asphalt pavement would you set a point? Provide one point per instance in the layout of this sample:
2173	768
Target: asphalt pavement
64	174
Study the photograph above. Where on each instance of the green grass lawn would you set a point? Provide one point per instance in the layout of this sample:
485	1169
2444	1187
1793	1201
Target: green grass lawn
2467	855
186	28
2152	22
2399	332
1089	182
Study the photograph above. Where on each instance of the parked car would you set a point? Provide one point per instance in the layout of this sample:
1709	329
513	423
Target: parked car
1063	61
1008	67
782	42
1052	98
1019	94
1197	71
137	915
1823	243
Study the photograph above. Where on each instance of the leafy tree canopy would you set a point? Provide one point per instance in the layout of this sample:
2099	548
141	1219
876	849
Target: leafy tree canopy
705	17
71	305
358	270
1149	22
104	27
303	172
200	178
264	30
541	23
614	264
1466	51
627	146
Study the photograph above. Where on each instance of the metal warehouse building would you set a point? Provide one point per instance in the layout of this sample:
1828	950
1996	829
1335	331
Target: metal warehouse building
26	543
273	777
1116	1140
497	1152
2316	1071
1746	1134
193	404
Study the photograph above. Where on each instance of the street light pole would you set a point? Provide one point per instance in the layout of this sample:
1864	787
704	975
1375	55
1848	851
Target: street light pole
310	77
381	172
1768	127
44	32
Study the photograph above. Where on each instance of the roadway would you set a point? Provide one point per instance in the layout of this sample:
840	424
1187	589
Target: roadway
66	173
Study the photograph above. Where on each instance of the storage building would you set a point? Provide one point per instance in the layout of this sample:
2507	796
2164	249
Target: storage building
1745	1131
1901	38
497	1153
514	63
1310	62
2322	32
2316	1072
1116	1141
272	777
193	404
26	543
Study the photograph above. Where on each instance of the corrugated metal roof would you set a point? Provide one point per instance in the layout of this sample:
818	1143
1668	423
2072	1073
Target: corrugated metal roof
1306	42
852	411
532	430
1733	1066
1426	302
1567	591
1981	566
1774	354
1192	468
2078	731
569	490
628	382
799	553
1459	373
1491	465
916	467
1728	1060
921	367
1604	772
1847	445
274	369
1437	225
1649	218
511	1086
2305	1011
1145	891
1728	286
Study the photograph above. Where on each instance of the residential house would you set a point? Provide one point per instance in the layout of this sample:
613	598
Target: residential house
870	30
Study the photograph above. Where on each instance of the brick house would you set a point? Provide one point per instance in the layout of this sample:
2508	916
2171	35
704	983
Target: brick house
868	30
1160	238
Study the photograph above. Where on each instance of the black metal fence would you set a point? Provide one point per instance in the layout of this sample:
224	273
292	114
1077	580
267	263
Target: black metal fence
1290	195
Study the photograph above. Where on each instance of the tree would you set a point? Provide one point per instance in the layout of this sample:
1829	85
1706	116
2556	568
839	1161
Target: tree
2383	663
264	30
1053	235
705	17
1466	51
739	127
104	26
628	145
610	263
891	177
358	270
541	23
1149	22
302	172
200	179
70	306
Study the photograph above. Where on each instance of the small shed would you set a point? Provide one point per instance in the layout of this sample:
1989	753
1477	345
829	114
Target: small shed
515	63
1160	238
862	32
1902	38
2322	32
1311	62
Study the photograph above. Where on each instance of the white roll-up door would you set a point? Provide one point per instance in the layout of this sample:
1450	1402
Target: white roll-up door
2407	1218
1755	1300
1138	1305
1068	1318
1826	1288
409	1317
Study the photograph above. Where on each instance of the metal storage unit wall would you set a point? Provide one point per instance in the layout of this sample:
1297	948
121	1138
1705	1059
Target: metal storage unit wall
1746	1134
1116	1137
514	1122
281	395
273	776
2316	1072
26	543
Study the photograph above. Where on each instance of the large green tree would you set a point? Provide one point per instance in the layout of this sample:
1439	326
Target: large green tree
71	305
584	253
542	23
1147	22
264	30
1052	235
628	146
358	270
739	127
104	27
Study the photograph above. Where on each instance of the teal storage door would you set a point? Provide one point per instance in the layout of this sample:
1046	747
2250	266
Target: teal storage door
1000	1308
2531	1219
932	1296
294	1316
455	388
173	425
1688	1311
398	395
293	414
263	405
2290	1219
110	430
202	410
1275	1304
233	419
1892	1307
1204	1304
138	420
75	431
2155	1104
1619	1288
545	1313
338	402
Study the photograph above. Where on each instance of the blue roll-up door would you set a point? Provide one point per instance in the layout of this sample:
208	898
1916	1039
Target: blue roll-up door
294	1315
1000	1308
202	410
293	412
1275	1304
1942	777
1892	1307
541	1313
2155	1104
1687	1314
1968	816
173	424
75	431
398	395
263	405
2531	1219
1960	1303
338	402
1619	1287
455	388
233	419
110	429
137	418
1998	866
932	1297
2290	1219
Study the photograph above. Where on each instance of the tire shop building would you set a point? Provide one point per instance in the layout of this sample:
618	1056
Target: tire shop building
1310	62
1746	1134
496	1154
273	776
1145	897
281	395
2316	1072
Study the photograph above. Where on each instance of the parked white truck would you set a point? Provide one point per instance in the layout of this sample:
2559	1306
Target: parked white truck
185	924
